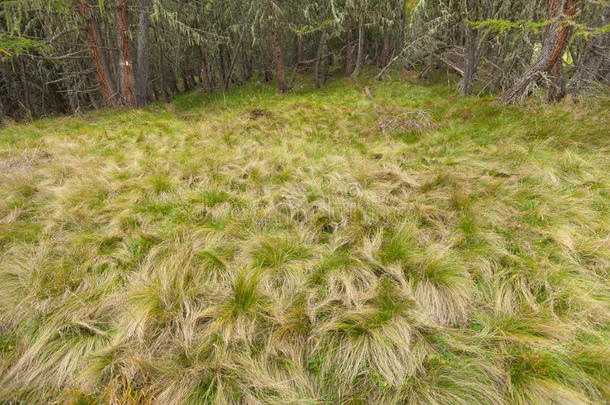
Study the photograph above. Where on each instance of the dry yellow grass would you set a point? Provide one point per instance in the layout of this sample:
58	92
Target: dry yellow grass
213	255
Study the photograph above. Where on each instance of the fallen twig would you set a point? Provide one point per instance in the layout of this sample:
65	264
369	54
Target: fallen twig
417	120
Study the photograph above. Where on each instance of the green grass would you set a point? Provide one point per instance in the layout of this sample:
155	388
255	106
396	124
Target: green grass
206	254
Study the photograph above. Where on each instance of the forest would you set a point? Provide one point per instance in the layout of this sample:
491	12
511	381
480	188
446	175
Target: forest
64	57
305	202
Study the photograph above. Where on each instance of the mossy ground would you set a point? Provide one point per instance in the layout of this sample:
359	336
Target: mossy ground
208	252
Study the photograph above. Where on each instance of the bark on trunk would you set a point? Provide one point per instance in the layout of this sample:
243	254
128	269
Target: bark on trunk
72	99
162	83
319	55
299	53
143	61
232	63
349	52
205	78
521	56
360	56
552	50
328	62
155	93
248	66
91	96
595	61
470	61
320	52
401	30
162	76
100	65
189	78
281	77
126	62
58	102
297	63
267	64
173	80
557	87
221	62
475	48
385	50
189	70
25	88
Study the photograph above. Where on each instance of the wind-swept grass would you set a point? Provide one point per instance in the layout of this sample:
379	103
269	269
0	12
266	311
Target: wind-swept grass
211	255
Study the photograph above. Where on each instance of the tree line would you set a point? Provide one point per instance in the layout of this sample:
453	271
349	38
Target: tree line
68	56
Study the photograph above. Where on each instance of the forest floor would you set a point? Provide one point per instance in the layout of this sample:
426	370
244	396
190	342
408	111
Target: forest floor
261	248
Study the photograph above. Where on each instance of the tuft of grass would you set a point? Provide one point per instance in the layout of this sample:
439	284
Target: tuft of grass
274	252
210	254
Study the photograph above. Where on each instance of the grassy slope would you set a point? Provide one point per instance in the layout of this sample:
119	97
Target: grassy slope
302	256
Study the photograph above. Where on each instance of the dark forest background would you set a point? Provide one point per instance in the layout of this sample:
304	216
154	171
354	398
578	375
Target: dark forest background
63	57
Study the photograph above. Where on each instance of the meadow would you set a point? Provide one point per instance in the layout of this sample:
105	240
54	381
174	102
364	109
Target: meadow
320	247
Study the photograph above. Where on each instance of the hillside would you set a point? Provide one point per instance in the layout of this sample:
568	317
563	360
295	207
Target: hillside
252	247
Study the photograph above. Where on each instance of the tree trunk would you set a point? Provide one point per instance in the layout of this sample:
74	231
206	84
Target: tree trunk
243	71
92	100
297	63
172	76
475	47
595	60
143	54
281	77
557	87
522	54
248	66
126	62
72	99
299	49
25	88
162	76
100	65
58	107
188	71
349	52
402	21
188	80
471	50
155	93
328	62
385	50
267	64
321	49
470	62
205	78
552	50
221	62
359	60
319	55
232	62
162	83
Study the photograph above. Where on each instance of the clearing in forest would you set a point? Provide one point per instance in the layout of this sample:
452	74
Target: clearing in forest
316	247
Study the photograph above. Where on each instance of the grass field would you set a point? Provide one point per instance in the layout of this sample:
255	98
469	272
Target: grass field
250	247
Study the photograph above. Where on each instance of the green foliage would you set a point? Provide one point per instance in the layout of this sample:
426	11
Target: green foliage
15	46
502	26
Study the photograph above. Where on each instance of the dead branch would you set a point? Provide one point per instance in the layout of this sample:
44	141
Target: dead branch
417	120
